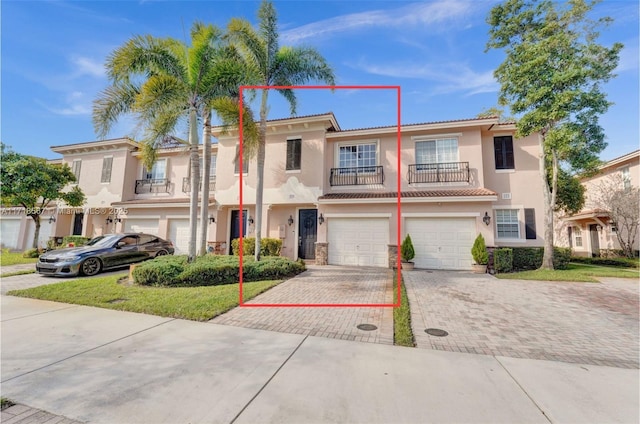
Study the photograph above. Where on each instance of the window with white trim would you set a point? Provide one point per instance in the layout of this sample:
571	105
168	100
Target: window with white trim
577	236
245	162
626	178
507	223
76	166
212	167
358	156
107	165
442	150
157	172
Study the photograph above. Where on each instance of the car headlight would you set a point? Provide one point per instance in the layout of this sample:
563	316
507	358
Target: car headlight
68	258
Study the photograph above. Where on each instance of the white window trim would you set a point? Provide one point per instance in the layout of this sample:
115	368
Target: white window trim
111	176
166	169
336	158
575	238
495	219
244	174
286	143
431	138
73	167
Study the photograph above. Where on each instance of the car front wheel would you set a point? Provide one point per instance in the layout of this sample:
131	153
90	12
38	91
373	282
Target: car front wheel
91	266
162	253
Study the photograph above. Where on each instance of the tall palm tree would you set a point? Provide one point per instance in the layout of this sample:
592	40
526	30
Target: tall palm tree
162	82
273	65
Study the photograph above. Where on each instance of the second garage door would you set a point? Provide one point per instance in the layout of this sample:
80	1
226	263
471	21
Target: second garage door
10	230
139	225
179	235
442	243
358	241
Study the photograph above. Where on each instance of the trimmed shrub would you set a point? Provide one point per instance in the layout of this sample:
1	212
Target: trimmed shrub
31	253
619	262
479	251
406	249
528	258
212	270
76	240
268	246
503	259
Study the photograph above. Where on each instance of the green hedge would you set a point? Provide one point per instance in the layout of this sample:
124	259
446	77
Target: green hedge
31	253
528	258
619	262
268	246
503	259
212	270
76	240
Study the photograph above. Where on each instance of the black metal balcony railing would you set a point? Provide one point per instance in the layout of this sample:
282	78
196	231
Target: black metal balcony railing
439	172
363	175
186	185
153	186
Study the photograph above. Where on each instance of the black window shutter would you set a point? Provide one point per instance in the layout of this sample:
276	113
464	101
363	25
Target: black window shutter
497	148
569	229
530	223
294	148
508	150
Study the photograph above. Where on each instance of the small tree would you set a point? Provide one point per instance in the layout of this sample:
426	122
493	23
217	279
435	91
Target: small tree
32	183
479	251
406	250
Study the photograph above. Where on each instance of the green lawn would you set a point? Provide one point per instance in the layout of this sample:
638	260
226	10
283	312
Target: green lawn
576	272
22	272
402	334
194	303
14	258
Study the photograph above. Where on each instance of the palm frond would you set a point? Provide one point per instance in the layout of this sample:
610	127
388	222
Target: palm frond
241	34
113	102
299	65
269	30
228	110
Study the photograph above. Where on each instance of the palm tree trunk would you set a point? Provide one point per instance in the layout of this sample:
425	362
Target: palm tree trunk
262	141
195	180
206	164
549	201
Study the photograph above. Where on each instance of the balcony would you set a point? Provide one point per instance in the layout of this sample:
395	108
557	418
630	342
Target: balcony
162	185
186	185
452	172
363	175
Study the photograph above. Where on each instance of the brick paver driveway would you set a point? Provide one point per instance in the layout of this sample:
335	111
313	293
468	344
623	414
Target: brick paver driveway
589	323
324	284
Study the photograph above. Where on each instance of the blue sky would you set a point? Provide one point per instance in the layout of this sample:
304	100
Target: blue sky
53	54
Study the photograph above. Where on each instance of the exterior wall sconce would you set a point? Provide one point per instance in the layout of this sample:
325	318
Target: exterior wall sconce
321	219
52	219
290	220
110	220
212	220
251	221
486	219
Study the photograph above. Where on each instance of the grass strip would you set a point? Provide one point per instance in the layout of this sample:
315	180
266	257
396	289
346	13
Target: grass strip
22	272
193	303
402	333
576	272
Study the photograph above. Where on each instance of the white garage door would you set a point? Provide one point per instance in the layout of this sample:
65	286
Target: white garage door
442	243
358	241
43	237
133	225
179	235
9	232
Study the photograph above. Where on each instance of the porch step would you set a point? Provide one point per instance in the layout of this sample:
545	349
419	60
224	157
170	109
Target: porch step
309	261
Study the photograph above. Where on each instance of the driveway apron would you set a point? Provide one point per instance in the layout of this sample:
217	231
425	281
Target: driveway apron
324	285
588	323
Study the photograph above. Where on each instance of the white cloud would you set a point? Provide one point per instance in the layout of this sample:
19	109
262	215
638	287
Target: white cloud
87	66
629	57
448	77
411	15
75	103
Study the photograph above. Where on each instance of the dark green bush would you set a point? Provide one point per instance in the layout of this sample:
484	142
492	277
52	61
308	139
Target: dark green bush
619	262
528	258
31	253
503	259
268	246
76	240
213	270
407	252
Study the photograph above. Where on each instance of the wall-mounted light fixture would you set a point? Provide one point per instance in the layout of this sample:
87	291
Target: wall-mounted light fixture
599	227
290	220
212	220
109	220
321	219
486	219
251	221
52	219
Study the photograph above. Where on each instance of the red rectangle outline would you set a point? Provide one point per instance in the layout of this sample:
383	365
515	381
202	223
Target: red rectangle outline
241	303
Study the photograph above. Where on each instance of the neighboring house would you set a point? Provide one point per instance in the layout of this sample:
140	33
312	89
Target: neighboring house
591	230
331	194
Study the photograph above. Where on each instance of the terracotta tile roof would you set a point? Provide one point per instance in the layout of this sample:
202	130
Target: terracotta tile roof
467	192
151	201
403	125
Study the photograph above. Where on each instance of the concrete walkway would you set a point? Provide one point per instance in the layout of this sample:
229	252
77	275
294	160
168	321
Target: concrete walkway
585	323
102	366
324	285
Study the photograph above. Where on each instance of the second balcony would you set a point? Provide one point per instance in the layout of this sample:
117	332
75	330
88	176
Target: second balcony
362	175
451	172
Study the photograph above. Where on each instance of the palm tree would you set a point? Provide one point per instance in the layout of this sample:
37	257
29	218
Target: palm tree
162	81
273	65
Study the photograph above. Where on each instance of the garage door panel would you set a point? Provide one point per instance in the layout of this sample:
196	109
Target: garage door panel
179	234
358	241
140	225
442	243
10	230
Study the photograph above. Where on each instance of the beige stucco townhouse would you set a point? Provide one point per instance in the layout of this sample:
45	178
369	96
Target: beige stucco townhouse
591	231
329	194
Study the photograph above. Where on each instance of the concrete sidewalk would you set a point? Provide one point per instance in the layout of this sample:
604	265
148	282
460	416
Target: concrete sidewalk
103	366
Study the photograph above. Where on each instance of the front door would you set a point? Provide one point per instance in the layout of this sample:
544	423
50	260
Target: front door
77	224
595	240
235	226
307	233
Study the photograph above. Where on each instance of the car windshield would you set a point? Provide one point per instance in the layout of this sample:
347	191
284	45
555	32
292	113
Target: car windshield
103	241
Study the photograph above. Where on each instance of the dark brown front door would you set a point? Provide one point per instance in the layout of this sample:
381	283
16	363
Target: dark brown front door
235	226
307	233
595	240
77	223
